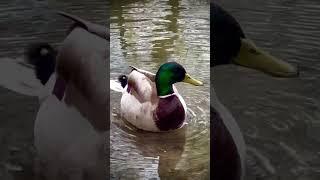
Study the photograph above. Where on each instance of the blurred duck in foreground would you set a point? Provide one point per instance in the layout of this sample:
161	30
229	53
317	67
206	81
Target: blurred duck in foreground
229	45
71	125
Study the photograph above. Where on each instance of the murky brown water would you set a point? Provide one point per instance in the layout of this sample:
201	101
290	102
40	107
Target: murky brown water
279	117
146	34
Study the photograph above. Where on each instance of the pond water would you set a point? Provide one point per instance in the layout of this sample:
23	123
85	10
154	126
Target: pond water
280	118
147	34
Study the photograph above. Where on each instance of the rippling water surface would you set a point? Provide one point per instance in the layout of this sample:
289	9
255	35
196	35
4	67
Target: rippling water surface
147	34
280	118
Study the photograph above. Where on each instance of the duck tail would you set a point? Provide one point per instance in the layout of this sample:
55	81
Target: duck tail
120	84
123	79
43	57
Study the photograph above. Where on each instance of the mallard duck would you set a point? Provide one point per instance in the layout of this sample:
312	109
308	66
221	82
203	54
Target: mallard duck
151	102
71	123
229	45
74	115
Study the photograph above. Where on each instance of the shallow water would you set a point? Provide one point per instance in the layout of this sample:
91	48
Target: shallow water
280	118
146	34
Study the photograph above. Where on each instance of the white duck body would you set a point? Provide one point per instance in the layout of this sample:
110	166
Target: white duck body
138	106
66	141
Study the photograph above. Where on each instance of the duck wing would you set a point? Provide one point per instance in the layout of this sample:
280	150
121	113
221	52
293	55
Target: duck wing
91	27
81	61
148	74
143	88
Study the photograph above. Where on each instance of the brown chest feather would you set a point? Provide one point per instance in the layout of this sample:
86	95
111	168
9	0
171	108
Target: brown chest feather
169	114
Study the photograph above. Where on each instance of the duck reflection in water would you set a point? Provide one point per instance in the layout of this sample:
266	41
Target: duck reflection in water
167	147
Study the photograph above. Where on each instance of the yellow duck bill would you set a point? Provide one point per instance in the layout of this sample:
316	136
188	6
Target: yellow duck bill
252	57
191	80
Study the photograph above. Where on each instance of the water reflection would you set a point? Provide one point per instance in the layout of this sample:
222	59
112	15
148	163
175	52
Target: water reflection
146	34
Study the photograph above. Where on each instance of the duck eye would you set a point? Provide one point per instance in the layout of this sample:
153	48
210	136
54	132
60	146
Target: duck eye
44	51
